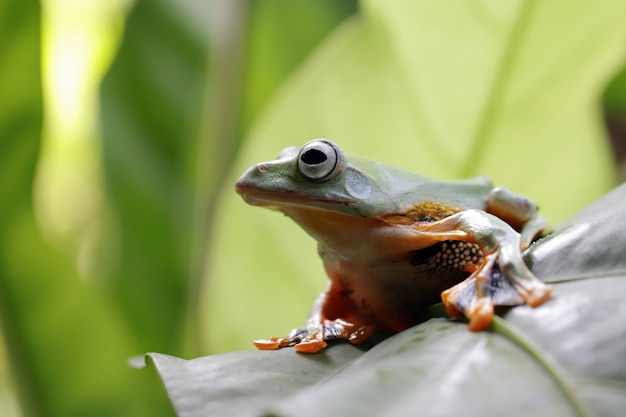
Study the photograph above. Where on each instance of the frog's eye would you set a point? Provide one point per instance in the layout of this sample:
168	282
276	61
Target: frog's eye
320	160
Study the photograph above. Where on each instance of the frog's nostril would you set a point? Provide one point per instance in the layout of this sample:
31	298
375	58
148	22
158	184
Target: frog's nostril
262	167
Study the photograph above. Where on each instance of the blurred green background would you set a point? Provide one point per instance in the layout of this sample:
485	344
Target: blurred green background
124	125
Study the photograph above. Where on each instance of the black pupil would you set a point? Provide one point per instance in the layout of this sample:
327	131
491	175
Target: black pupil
313	157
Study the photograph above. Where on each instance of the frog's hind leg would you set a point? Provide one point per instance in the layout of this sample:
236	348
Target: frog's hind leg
341	325
311	338
318	329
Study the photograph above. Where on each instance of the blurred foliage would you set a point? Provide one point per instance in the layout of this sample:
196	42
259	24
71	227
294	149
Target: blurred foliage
615	97
614	101
151	124
106	249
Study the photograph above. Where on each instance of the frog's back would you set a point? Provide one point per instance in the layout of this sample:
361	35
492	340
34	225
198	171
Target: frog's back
410	191
471	193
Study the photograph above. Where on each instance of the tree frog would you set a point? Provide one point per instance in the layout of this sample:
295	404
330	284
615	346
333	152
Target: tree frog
393	242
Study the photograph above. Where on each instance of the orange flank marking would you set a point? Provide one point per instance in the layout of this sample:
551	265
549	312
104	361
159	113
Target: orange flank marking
423	211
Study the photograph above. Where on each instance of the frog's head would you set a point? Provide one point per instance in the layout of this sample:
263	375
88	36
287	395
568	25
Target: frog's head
320	176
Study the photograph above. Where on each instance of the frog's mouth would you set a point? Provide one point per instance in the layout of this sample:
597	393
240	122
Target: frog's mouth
257	196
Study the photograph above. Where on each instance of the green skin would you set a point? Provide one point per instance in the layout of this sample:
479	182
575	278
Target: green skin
381	246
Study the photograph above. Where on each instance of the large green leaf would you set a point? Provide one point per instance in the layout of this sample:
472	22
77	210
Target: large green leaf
447	89
563	358
267	378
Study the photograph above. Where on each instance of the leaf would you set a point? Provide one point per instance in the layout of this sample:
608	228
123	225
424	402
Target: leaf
260	377
582	243
438	368
562	358
446	89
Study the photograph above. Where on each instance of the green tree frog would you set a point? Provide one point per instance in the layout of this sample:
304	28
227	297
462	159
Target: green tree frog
394	242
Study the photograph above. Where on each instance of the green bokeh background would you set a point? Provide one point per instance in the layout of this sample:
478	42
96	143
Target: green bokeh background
124	125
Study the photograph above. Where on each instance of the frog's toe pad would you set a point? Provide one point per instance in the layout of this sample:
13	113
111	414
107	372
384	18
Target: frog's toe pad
313	345
271	343
538	295
449	297
479	314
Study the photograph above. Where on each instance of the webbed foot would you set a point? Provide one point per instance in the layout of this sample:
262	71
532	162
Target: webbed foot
506	283
314	337
501	278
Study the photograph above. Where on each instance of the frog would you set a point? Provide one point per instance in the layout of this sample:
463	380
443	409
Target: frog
394	242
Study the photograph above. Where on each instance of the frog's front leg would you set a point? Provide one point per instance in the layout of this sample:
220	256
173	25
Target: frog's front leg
500	243
319	329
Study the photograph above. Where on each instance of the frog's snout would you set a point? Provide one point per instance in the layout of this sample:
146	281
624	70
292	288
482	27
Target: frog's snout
244	183
251	178
253	184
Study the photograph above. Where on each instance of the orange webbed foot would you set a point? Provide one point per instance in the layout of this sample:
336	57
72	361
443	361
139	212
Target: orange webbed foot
314	339
477	295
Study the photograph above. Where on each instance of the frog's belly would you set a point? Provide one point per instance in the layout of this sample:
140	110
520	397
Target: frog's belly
392	293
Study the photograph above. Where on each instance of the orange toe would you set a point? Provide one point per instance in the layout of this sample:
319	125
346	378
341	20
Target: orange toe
310	346
480	314
448	298
452	310
538	296
272	343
